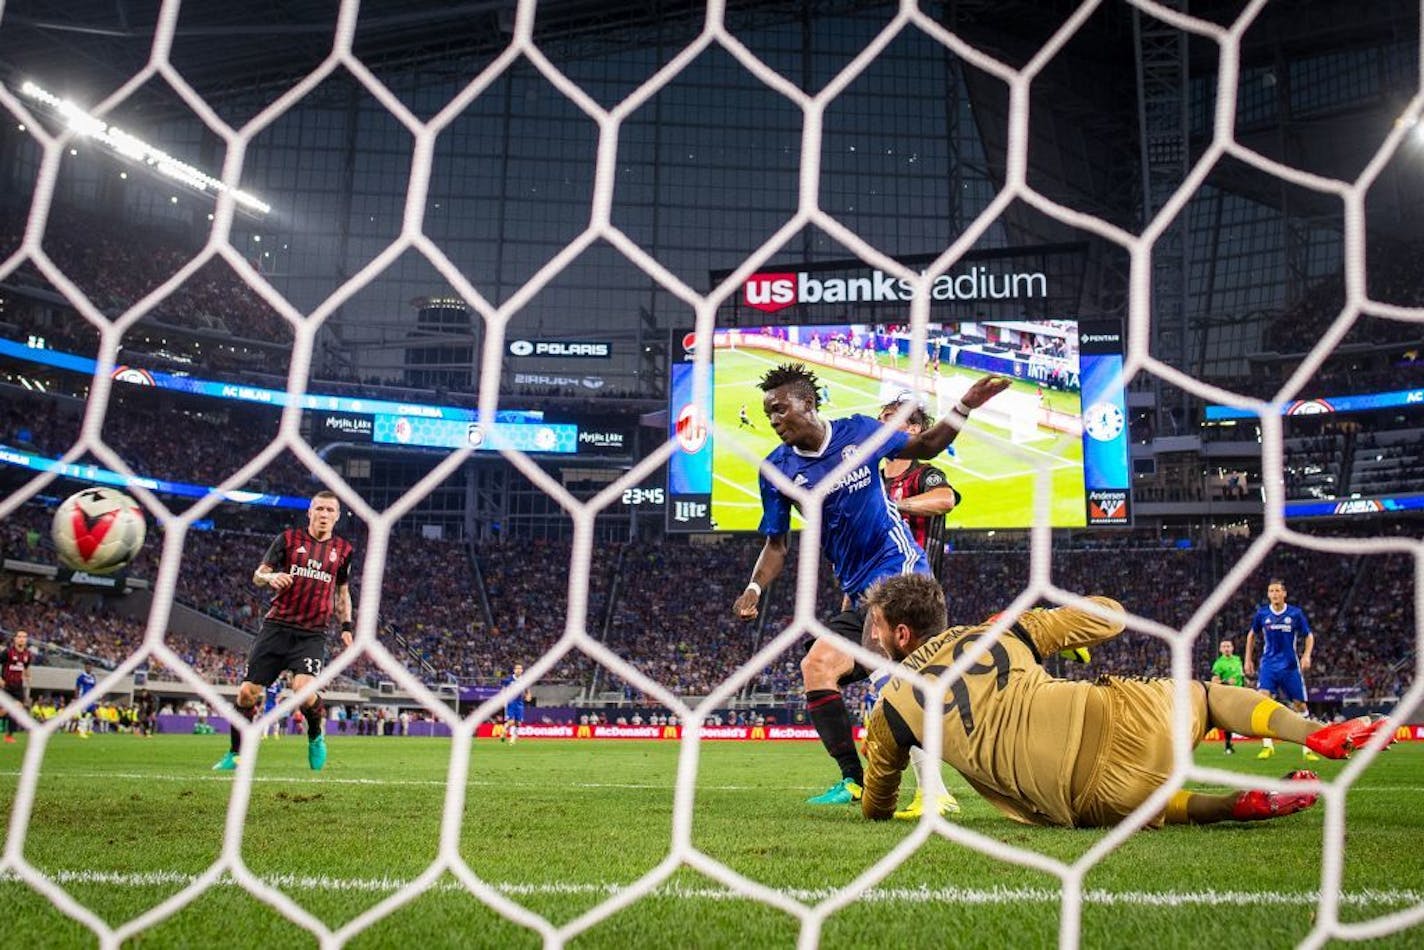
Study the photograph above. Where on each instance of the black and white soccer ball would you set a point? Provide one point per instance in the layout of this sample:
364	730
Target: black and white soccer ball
98	530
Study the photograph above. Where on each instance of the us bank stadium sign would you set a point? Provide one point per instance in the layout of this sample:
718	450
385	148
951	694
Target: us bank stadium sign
770	292
561	349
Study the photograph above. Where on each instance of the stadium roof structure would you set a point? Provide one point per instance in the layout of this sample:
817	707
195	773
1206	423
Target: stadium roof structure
224	49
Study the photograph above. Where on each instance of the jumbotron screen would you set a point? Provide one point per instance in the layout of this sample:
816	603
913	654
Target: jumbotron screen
1065	410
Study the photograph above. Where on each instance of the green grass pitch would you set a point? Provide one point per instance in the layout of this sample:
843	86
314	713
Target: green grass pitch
558	826
997	484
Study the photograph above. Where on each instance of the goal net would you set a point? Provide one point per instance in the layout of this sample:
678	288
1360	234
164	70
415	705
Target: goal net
1014	422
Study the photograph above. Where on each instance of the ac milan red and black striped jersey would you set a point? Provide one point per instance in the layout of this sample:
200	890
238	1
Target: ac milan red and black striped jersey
927	529
318	568
16	662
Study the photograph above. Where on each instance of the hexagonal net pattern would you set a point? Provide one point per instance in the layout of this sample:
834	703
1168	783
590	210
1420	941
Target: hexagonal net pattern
681	851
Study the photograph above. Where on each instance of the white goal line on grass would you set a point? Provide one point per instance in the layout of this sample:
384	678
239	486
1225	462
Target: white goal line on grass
878	895
314	781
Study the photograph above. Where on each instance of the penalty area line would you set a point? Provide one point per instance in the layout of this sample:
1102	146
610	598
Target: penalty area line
877	895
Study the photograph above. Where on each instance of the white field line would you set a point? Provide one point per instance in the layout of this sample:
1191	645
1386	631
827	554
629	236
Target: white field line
474	783
879	895
739	487
873	408
398	782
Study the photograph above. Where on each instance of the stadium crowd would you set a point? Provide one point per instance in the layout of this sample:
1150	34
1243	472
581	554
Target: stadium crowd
1392	277
665	607
117	266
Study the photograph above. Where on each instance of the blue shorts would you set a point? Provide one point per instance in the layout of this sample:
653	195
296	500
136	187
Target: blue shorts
1282	680
514	712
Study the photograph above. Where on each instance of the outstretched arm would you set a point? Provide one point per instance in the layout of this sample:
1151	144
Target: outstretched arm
1067	628
937	437
768	568
936	501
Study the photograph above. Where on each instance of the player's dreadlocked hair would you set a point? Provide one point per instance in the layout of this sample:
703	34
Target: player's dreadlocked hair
796	375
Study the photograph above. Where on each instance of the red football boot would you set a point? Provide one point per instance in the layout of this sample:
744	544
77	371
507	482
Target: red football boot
1338	740
1258	805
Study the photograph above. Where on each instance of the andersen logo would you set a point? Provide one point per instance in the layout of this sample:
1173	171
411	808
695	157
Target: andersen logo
772	292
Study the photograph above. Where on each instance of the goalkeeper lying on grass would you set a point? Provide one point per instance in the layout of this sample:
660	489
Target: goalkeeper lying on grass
1047	751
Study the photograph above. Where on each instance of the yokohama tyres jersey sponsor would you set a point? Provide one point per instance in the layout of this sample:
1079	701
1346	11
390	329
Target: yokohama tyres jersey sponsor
1281	632
927	529
16	662
318	568
862	534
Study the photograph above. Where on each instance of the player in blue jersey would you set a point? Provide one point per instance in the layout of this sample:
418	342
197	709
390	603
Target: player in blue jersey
84	684
1280	627
862	534
270	697
514	709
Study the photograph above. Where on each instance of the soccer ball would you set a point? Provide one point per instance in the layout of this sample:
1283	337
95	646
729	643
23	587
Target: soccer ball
98	530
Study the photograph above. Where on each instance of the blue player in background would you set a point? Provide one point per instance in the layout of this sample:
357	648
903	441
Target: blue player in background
270	697
862	535
84	684
1280	627
514	710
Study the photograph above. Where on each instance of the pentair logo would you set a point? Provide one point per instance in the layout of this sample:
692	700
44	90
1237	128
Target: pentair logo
521	348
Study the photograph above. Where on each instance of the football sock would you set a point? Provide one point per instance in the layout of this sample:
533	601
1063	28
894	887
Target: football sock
926	770
1196	808
233	734
315	714
1247	712
913	778
832	721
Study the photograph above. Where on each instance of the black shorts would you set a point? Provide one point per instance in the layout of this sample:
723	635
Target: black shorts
279	648
17	691
849	625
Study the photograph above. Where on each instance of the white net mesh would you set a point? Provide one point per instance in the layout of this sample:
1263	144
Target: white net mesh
811	909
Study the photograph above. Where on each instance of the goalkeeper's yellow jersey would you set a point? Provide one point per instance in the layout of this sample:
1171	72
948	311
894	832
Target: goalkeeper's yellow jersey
1011	729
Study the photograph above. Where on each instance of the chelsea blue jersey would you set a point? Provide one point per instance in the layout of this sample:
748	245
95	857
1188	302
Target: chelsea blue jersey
84	683
515	708
1279	632
862	534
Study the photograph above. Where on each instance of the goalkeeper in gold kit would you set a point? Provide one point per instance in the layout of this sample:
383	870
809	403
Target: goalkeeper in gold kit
1047	751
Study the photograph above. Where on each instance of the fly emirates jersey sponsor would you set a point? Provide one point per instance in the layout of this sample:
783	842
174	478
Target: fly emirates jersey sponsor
862	534
317	568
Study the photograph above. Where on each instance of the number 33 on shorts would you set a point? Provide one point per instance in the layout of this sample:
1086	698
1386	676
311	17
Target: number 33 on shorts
313	665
